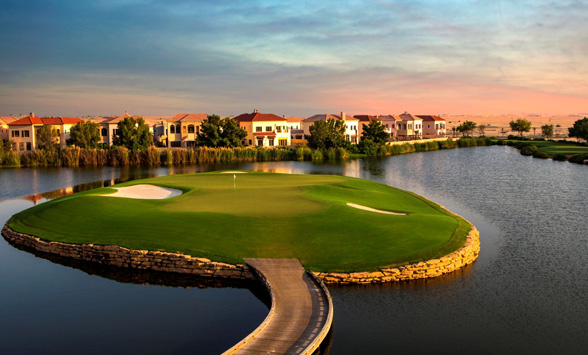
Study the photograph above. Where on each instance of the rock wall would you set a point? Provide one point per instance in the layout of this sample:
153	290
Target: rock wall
138	259
467	254
186	264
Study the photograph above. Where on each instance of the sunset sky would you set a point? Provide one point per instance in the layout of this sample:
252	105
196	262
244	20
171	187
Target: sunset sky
294	58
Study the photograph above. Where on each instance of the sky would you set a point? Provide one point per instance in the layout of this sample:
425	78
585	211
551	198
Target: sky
293	58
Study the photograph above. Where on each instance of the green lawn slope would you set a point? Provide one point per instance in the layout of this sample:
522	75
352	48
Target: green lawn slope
262	215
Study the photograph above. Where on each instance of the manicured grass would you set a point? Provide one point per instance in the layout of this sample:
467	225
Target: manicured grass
266	215
552	148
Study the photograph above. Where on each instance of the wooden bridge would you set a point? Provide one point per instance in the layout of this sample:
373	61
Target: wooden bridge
301	313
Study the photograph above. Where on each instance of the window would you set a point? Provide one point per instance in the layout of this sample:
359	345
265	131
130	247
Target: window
25	134
409	126
114	132
29	146
260	141
58	133
172	129
21	146
197	129
278	129
104	132
184	128
268	128
15	134
178	128
283	142
191	128
250	142
258	129
271	142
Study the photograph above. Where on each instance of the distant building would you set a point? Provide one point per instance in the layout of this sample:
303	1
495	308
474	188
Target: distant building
264	129
182	129
352	129
409	126
433	125
296	130
4	131
388	121
23	132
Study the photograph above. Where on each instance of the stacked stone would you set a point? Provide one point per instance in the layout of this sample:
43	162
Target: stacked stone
467	254
138	259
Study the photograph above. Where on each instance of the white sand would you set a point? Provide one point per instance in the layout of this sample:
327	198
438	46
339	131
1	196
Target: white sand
234	172
373	209
146	192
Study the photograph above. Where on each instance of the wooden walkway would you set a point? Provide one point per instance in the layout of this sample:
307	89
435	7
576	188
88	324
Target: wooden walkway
301	312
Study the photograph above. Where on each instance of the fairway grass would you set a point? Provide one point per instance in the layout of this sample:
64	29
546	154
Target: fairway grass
228	217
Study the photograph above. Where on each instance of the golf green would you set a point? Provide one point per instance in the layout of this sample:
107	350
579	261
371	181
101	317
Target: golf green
227	217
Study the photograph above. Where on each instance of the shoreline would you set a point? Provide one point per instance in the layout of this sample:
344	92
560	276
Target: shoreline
114	255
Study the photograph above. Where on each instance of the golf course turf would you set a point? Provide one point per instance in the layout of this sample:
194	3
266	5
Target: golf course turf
227	217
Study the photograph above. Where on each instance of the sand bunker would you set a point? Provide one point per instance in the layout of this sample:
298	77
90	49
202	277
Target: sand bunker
373	209
146	192
234	172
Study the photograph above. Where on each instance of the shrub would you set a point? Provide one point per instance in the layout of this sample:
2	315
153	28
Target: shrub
579	158
540	154
528	150
71	156
559	157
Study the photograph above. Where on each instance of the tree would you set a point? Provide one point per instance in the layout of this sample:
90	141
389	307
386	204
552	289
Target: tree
580	129
327	134
133	133
85	134
482	128
217	132
466	128
547	130
521	125
376	132
46	137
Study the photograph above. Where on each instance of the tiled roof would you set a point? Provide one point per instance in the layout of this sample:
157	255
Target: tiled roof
430	118
388	117
264	134
119	118
7	119
408	117
259	117
295	119
188	117
34	120
366	118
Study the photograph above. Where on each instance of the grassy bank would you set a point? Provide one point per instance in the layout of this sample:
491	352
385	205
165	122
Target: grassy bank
544	149
120	156
263	215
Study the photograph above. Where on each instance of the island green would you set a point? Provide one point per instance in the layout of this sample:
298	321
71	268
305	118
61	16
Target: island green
228	217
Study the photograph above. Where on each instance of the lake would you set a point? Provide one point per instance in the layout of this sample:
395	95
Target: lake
527	293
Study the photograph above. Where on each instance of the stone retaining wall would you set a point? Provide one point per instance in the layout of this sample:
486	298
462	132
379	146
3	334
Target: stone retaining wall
138	259
185	264
467	254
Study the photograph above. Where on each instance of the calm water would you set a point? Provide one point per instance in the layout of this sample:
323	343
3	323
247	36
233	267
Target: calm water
527	293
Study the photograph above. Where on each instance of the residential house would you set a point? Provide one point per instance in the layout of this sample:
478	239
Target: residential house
352	129
183	128
4	131
23	132
388	121
296	130
433	125
409	126
264	129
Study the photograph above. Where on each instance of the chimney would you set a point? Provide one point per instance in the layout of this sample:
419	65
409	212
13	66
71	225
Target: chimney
32	114
255	111
343	115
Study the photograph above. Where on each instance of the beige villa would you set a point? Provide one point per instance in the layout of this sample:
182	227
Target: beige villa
352	125
409	126
433	125
388	121
265	129
4	129
22	132
182	129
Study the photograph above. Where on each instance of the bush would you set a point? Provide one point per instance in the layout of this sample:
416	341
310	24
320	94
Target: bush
559	157
579	158
528	150
540	154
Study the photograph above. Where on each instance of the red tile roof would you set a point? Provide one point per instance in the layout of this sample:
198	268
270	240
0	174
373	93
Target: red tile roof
258	117
188	117
7	119
264	134
119	118
295	119
34	120
430	118
366	118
